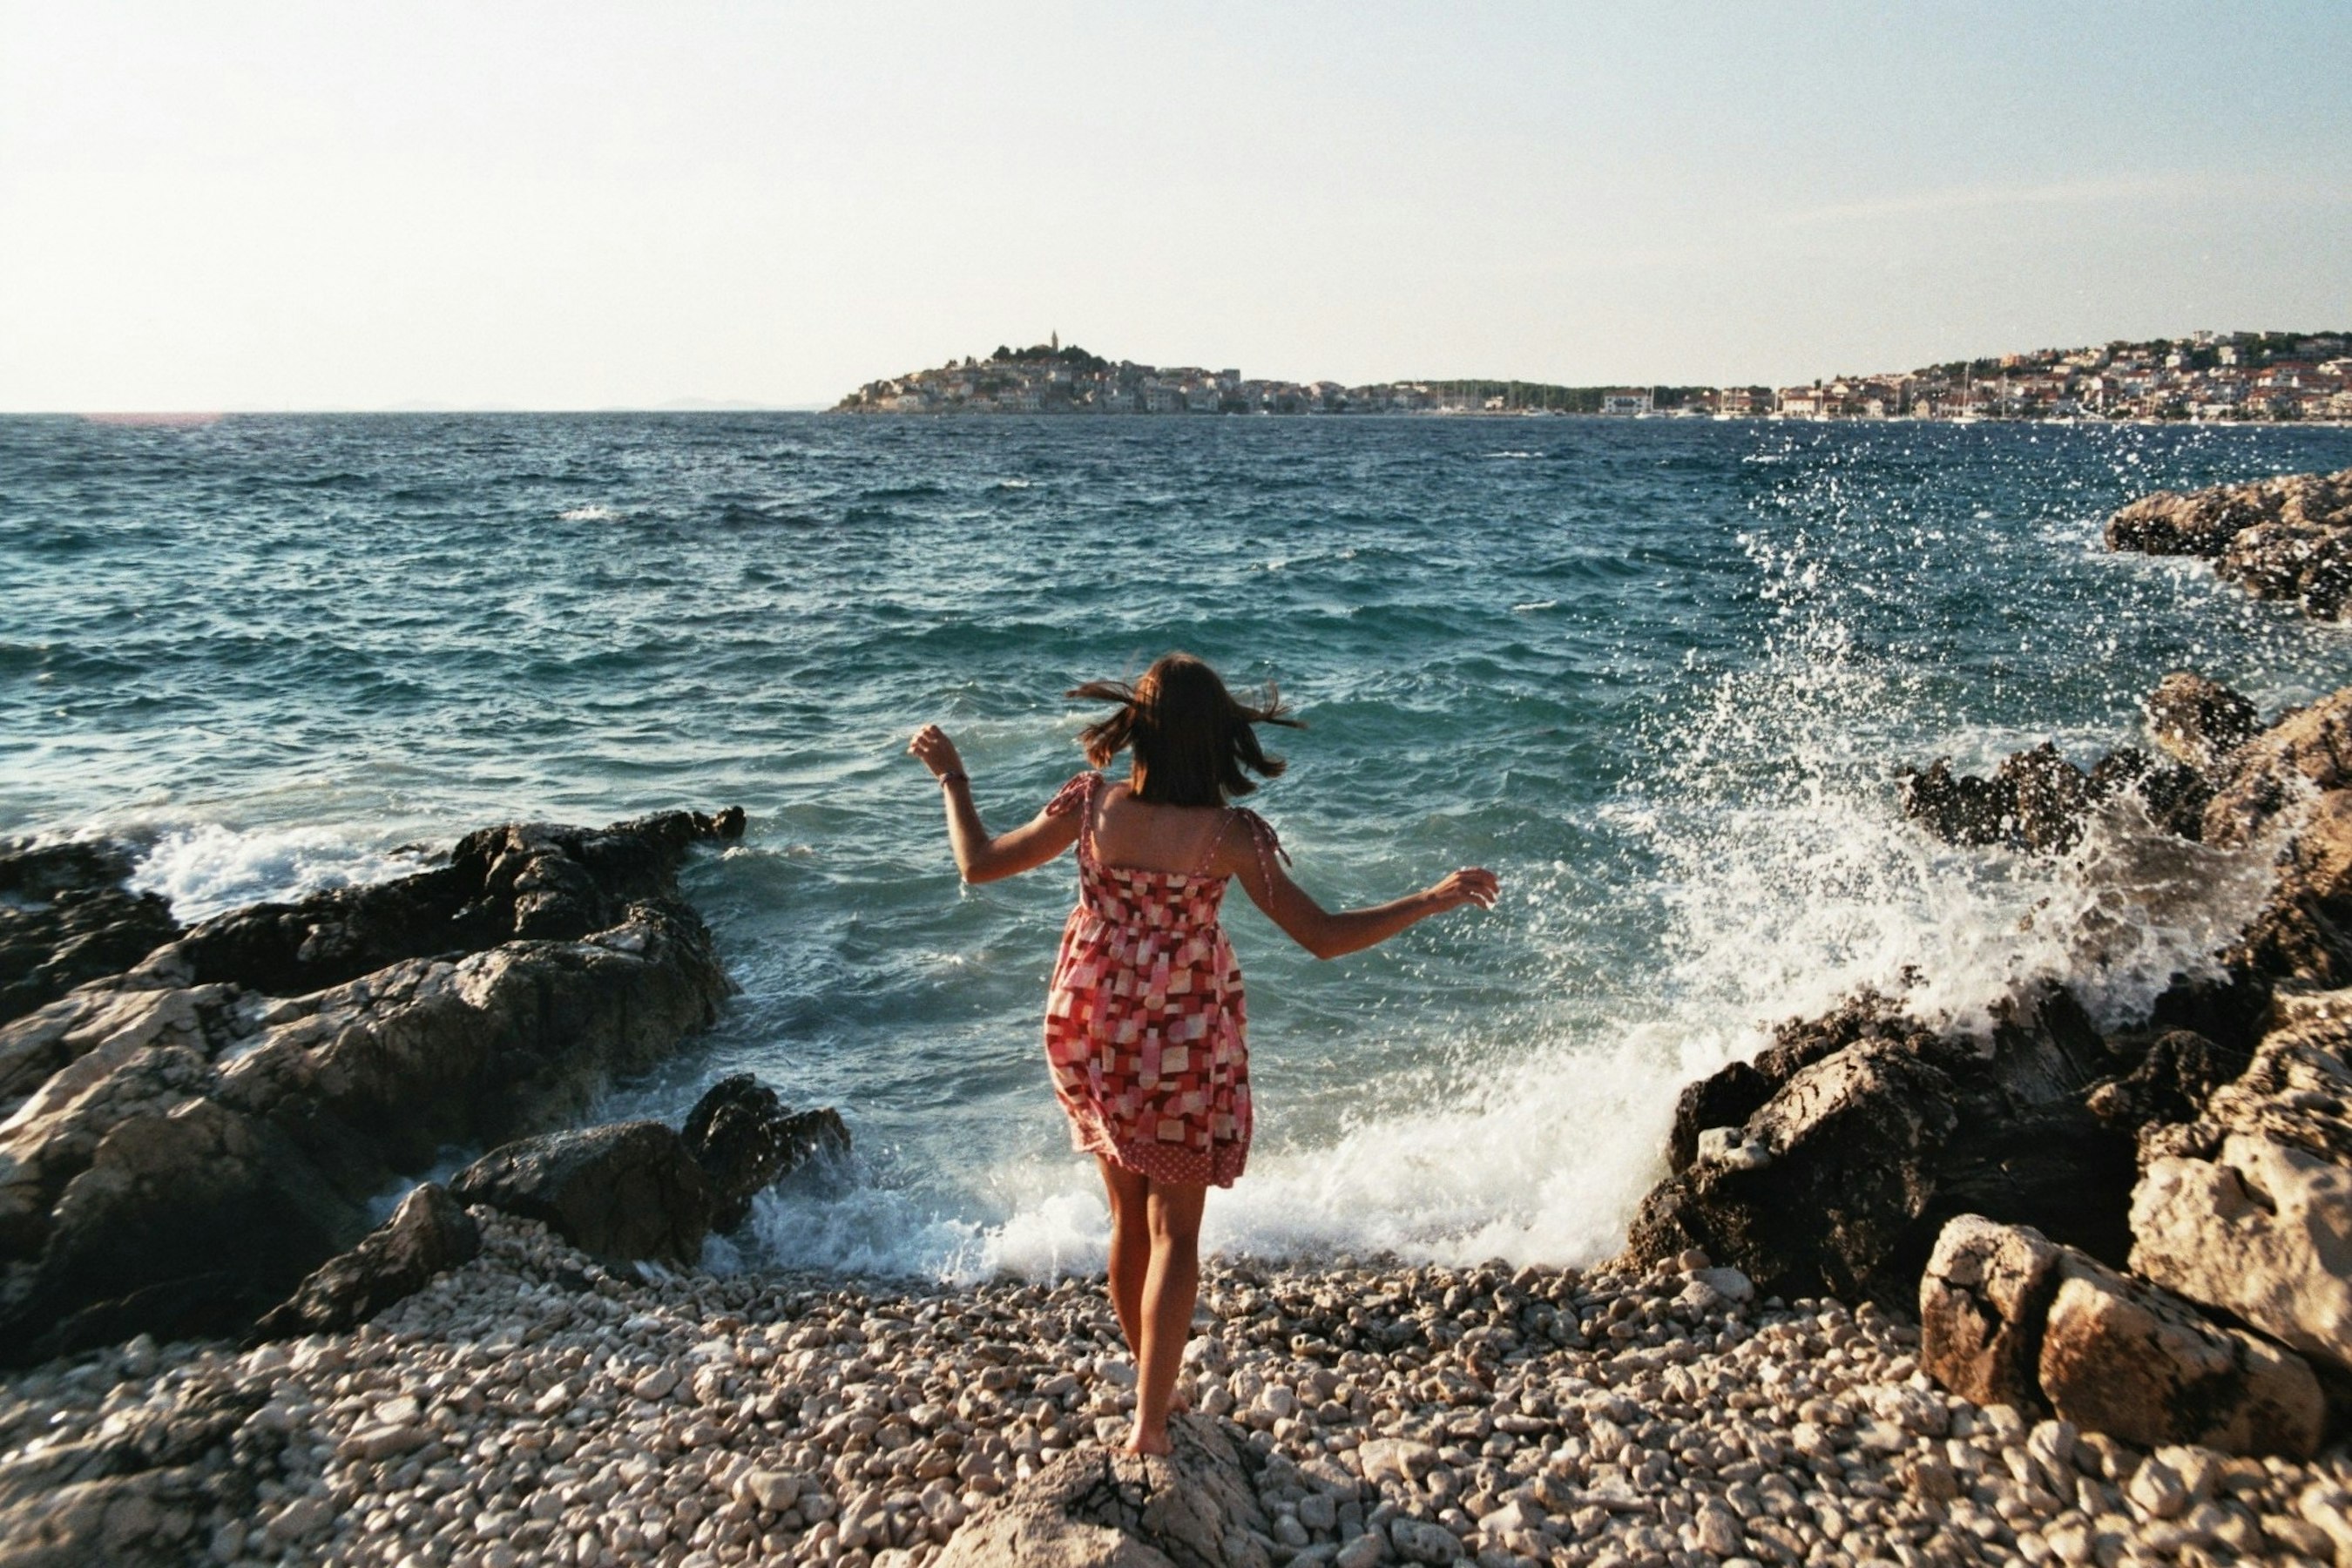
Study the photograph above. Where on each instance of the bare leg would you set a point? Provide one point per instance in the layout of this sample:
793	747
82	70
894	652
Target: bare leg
1170	1290
1130	1249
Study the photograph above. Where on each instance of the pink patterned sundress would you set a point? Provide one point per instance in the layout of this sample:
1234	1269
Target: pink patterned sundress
1145	1022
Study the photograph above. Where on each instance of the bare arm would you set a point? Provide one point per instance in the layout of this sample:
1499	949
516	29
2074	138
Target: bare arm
1329	935
981	857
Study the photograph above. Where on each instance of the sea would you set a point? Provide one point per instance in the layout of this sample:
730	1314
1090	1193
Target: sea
1659	674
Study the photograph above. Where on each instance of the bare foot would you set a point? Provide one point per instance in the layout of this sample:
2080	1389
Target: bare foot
1138	1444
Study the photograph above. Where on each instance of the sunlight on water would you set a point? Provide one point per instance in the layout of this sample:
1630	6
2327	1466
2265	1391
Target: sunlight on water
1659	678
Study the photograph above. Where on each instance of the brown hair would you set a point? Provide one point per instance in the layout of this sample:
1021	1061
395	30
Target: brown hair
1191	738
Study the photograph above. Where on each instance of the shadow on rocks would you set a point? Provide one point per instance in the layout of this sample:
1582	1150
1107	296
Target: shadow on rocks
1093	1508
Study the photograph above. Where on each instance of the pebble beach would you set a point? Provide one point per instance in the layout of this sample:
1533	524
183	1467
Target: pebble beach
534	1406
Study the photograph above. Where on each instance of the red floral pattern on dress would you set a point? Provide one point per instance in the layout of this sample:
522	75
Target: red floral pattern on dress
1145	1022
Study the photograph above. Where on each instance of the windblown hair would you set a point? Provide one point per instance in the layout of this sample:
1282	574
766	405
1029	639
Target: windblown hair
1190	737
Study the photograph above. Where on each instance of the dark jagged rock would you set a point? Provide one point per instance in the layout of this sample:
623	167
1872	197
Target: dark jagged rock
2038	801
746	1139
204	1130
2288	538
624	1192
521	881
65	917
1885	1130
2169	1083
2198	721
428	1233
1096	1509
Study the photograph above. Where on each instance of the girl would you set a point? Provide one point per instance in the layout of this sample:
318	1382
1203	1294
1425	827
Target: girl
1144	1020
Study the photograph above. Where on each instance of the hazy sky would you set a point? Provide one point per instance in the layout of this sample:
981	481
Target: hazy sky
485	204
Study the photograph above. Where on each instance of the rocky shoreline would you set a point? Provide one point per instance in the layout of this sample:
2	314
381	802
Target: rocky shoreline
534	1406
2288	538
1908	1294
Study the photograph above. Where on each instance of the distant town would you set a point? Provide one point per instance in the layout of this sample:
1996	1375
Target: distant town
2205	376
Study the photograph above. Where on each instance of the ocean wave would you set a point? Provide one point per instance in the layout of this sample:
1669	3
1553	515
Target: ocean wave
210	867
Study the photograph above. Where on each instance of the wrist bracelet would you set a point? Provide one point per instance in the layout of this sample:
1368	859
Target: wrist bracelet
947	779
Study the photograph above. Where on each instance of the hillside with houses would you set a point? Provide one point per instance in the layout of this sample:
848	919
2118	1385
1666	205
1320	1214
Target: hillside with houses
2209	376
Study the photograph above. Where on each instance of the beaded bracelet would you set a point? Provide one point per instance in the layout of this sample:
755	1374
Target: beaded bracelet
947	779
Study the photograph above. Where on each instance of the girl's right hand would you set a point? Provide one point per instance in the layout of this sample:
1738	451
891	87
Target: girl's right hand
1471	885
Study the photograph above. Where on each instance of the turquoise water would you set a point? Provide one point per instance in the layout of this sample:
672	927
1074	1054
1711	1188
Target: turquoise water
1656	674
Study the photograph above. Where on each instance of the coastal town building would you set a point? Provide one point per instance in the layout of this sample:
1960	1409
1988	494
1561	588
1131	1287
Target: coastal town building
2207	376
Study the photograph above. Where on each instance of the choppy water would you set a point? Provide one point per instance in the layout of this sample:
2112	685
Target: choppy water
1656	674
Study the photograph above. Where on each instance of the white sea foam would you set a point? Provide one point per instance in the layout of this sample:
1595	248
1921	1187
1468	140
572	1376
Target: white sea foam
589	514
209	868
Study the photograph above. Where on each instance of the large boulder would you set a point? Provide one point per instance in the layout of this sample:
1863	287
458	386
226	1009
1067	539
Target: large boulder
1982	1300
746	1139
2008	1317
65	917
197	1135
429	1233
2128	1359
1096	1509
626	1192
2248	1208
2197	523
1845	1152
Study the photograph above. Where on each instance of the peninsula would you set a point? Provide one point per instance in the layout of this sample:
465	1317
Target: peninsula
2209	376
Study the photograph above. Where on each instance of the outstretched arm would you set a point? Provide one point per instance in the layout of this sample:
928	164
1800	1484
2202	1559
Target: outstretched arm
980	857
1328	935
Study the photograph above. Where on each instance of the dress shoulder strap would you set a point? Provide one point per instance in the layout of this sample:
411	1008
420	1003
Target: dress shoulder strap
1209	855
1078	796
1267	842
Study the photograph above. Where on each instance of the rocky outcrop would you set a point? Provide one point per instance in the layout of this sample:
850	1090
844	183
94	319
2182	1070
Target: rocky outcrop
2300	756
65	917
2288	538
624	1192
2248	1208
428	1233
2197	722
207	1128
1873	1130
1097	1508
2008	1317
2149	1227
2038	801
746	1139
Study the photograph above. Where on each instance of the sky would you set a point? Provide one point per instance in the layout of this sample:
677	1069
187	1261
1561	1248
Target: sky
579	205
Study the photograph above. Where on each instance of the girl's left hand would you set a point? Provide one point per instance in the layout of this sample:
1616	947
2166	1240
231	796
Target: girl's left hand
933	747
